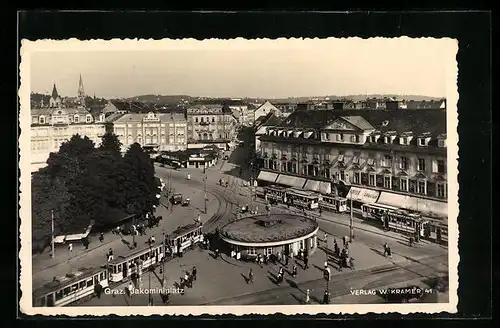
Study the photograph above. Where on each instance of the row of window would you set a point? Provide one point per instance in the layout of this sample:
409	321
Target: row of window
62	119
154	140
403	162
78	286
386	181
210	136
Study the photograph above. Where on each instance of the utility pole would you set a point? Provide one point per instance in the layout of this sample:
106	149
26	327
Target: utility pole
149	275
205	180
351	228
53	249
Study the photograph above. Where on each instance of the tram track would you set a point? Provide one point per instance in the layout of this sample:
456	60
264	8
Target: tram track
340	284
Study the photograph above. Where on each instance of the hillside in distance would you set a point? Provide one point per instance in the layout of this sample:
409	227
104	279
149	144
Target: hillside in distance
160	99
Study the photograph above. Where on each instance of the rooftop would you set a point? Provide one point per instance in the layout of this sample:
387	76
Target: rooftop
269	228
418	121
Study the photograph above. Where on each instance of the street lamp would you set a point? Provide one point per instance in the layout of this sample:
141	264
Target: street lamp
351	227
149	294
205	180
52	219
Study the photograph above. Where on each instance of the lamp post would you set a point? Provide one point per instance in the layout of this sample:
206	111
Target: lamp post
351	227
205	181
52	219
150	297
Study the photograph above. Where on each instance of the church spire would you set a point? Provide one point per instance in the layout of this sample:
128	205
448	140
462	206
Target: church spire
54	92
81	92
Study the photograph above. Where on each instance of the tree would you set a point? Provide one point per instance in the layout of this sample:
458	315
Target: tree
110	143
66	163
140	186
47	194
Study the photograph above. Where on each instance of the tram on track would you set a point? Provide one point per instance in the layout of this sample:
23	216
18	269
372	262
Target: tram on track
333	203
72	288
83	284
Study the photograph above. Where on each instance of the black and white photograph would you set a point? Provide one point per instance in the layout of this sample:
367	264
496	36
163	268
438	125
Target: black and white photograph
239	176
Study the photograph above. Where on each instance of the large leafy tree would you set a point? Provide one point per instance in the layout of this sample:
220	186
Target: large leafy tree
111	144
49	194
140	187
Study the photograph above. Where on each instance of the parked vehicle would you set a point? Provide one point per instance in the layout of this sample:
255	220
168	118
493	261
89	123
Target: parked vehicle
176	198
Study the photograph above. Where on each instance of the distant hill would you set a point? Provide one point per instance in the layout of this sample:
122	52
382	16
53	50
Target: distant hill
160	99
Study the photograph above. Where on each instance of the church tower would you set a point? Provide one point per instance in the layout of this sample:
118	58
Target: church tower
81	92
55	100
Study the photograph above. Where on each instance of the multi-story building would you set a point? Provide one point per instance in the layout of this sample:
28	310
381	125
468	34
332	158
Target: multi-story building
163	132
50	127
399	155
210	124
265	109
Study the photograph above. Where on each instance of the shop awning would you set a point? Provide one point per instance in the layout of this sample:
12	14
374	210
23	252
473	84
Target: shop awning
267	176
363	195
427	207
288	180
319	186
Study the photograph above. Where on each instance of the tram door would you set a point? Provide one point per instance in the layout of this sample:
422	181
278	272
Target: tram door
125	270
50	300
438	234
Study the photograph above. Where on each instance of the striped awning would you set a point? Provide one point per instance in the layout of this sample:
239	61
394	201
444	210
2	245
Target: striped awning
291	181
267	176
427	207
322	187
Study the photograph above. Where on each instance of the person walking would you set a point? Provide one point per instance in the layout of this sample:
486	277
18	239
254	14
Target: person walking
351	263
101	237
70	248
386	246
326	264
306	263
326	297
193	273
308	297
186	279
250	276
130	289
294	271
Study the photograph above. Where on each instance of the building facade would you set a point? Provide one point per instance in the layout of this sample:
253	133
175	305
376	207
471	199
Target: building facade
265	109
210	123
50	127
398	151
164	132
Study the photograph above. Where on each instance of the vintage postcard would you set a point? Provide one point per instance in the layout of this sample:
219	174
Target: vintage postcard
185	177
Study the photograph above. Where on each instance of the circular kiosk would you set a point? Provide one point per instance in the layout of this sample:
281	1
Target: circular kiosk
274	235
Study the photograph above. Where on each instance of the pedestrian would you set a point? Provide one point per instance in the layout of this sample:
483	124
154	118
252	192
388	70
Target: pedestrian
326	297
308	298
343	241
261	260
389	251
306	263
186	279
217	253
326	237
70	248
386	246
193	273
279	256
101	237
326	264
351	263
294	271
286	260
250	276
130	289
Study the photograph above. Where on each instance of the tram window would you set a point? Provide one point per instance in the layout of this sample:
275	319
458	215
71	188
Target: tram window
81	284
102	276
119	268
59	295
66	291
90	282
74	288
41	301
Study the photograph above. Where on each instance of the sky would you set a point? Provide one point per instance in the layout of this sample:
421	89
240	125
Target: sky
240	68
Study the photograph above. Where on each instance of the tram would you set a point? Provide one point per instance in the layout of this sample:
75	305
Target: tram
275	194
436	230
72	288
302	198
405	223
333	203
182	238
376	211
135	262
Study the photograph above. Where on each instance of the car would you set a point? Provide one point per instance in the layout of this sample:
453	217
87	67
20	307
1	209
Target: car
176	198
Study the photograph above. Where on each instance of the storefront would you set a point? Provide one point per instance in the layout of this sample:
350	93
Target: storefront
360	196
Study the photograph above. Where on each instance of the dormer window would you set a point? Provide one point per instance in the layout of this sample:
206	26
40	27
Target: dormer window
88	118
340	137
76	119
442	141
41	119
386	140
421	142
340	158
374	138
403	141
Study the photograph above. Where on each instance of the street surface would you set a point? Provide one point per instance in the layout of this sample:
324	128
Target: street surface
223	281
